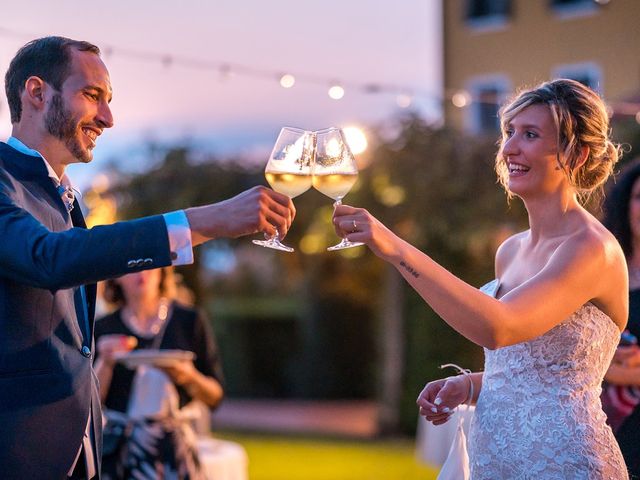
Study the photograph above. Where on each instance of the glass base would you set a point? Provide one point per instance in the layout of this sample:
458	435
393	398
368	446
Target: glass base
344	244
273	243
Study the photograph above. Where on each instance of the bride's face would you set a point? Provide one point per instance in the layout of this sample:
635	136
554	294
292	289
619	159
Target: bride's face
529	147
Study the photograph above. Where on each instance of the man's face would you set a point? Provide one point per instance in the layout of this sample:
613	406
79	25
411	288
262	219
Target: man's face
79	113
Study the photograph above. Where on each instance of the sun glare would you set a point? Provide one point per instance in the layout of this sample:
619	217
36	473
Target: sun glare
356	139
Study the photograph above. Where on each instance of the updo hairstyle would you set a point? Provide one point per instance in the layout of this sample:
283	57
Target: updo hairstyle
581	119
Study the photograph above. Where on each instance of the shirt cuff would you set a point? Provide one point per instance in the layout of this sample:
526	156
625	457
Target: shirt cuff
180	242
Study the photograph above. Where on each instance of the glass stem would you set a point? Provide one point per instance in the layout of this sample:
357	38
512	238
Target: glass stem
337	203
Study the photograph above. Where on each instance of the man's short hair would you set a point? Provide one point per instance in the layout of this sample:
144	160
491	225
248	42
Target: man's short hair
48	58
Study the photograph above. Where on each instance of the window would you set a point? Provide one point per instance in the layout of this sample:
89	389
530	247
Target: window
487	14
567	9
587	73
487	95
556	3
487	8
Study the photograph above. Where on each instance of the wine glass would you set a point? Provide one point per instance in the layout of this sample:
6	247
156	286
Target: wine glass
288	171
334	170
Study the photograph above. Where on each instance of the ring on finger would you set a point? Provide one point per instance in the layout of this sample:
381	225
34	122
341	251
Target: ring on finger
355	227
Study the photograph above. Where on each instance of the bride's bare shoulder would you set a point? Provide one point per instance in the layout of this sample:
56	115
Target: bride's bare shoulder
508	250
597	241
604	262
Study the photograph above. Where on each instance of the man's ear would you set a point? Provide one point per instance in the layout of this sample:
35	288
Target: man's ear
34	94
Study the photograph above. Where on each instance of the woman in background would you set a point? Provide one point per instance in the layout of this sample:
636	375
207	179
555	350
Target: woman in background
621	397
149	318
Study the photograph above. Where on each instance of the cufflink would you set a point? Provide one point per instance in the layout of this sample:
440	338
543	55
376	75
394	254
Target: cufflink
86	351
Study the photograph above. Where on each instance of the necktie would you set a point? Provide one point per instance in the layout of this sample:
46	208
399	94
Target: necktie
67	195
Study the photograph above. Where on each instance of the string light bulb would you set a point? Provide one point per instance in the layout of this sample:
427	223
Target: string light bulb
461	98
287	80
336	92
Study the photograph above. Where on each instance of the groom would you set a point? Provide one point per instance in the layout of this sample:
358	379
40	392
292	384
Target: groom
59	91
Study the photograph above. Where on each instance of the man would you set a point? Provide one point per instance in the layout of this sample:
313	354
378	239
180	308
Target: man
59	92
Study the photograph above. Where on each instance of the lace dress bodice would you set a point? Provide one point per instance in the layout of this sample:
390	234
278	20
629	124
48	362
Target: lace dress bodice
539	415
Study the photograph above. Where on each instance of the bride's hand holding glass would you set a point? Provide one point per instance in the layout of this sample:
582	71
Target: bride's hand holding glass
334	170
357	225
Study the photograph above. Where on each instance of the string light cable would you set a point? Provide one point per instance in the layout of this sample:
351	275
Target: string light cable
335	88
405	96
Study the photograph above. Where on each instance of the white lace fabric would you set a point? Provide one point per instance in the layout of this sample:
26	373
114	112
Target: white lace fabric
539	415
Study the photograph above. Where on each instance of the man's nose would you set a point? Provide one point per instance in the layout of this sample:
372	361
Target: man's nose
105	117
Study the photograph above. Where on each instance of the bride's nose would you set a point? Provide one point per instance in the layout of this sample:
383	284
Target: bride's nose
510	146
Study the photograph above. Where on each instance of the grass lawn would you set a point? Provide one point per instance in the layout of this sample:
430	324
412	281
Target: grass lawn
299	458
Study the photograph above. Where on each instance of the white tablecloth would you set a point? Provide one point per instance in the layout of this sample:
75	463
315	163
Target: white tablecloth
223	460
433	442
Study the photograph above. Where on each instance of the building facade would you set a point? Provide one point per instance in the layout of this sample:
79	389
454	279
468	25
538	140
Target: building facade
494	47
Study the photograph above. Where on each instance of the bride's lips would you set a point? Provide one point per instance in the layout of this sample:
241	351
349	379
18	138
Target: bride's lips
517	169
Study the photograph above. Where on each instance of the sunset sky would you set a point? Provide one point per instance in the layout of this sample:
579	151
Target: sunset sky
354	42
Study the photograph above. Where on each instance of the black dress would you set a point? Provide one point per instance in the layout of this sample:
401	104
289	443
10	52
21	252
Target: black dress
628	435
172	455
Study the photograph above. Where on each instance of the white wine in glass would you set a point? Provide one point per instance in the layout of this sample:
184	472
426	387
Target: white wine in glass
335	185
288	171
334	170
291	184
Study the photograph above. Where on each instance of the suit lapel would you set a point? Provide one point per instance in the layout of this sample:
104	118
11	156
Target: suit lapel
90	290
28	168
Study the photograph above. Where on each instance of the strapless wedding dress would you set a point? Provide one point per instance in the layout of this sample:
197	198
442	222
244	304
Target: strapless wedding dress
539	415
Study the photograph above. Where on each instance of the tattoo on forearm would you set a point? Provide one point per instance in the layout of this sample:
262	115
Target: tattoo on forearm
409	269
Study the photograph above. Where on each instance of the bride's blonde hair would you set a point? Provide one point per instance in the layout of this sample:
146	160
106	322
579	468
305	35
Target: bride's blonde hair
581	119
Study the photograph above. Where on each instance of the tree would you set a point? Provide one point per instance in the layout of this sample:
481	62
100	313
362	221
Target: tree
361	331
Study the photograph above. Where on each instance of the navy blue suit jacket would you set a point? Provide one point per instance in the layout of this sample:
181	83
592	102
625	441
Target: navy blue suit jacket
47	386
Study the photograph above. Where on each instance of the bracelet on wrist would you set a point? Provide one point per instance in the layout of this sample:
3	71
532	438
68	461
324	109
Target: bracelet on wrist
467	374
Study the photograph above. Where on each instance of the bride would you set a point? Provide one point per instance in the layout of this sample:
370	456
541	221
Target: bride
551	320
